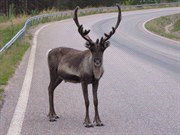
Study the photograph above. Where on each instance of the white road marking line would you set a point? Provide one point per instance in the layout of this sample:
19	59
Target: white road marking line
18	116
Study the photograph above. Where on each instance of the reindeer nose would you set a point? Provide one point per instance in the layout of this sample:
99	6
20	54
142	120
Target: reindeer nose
97	62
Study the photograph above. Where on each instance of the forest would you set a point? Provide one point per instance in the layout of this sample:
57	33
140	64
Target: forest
30	6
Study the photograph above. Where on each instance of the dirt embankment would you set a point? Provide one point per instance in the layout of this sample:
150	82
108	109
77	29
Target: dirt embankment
174	27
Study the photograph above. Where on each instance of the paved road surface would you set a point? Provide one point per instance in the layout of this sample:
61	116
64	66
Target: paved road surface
138	94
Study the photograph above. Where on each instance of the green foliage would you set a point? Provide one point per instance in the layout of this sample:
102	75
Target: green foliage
11	10
34	12
128	2
15	7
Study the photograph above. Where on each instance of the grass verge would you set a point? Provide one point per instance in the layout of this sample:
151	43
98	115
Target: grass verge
10	58
177	25
167	26
1	93
9	61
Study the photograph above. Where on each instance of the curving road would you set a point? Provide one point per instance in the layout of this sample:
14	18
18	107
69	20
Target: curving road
138	94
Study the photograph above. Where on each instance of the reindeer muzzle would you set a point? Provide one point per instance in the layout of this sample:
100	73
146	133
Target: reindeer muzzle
97	62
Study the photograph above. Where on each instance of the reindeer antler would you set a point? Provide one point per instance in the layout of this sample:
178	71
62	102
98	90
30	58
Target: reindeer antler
107	36
82	32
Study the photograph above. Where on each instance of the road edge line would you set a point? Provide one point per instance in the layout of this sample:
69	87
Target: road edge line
18	116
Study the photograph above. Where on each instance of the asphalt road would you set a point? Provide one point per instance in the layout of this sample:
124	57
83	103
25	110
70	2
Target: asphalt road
139	92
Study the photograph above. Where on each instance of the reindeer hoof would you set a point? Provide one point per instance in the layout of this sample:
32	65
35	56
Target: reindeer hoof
56	117
52	120
98	124
88	125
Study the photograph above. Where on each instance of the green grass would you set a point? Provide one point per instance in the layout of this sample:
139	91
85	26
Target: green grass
7	33
158	26
177	25
9	60
1	94
3	18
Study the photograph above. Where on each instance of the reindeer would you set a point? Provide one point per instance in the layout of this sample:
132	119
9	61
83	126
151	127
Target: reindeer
85	67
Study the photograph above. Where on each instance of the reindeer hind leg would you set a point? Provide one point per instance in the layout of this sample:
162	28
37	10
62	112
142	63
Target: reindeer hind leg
54	82
52	115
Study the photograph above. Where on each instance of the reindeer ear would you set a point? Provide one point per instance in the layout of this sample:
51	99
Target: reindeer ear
106	44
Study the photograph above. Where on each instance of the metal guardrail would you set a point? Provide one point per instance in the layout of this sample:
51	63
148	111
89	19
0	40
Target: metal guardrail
65	13
28	23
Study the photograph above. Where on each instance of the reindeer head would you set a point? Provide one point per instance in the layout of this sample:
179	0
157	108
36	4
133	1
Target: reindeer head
97	48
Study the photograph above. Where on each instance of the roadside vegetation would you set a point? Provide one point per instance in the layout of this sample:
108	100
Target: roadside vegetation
10	58
167	26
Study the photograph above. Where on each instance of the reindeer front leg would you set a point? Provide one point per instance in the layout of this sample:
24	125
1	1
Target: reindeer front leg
87	122
97	121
